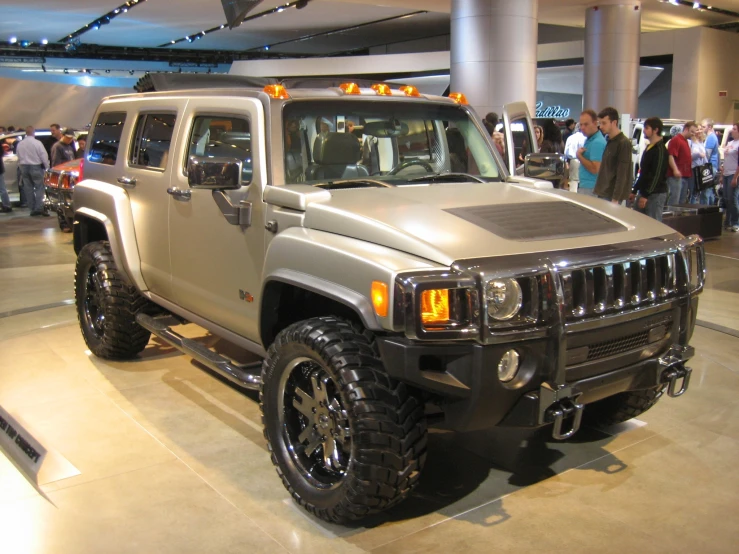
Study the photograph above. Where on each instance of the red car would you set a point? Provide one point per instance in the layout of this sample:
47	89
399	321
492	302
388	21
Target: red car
59	182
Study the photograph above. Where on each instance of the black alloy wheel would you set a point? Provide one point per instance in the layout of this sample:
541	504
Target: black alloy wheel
315	423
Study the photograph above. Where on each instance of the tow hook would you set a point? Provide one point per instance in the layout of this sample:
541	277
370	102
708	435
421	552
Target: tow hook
560	412
674	374
558	405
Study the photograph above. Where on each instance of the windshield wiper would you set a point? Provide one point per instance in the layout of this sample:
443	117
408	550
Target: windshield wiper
353	184
438	177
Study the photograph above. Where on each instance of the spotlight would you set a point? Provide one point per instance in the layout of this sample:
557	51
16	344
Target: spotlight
266	47
13	40
25	44
44	41
696	6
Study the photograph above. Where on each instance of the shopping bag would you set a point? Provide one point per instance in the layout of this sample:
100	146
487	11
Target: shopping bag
704	178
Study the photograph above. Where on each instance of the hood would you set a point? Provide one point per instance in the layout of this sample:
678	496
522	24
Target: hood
448	222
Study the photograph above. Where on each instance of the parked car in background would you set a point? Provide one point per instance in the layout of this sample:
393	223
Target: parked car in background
59	182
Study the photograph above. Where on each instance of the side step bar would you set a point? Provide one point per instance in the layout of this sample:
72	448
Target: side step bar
247	375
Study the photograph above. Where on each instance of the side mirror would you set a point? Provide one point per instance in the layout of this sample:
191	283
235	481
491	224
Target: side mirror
214	173
550	167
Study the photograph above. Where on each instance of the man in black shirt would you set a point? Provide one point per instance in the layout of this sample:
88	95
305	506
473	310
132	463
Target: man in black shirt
650	189
614	176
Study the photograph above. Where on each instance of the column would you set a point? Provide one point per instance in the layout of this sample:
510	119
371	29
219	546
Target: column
612	35
494	51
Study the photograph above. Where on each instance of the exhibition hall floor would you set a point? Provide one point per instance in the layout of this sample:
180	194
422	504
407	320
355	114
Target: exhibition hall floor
161	456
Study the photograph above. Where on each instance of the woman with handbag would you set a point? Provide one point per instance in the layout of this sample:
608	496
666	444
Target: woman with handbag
699	160
730	174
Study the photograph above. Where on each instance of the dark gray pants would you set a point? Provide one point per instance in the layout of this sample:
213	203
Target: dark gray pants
33	183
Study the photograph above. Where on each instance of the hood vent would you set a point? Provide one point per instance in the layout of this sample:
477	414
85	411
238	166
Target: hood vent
538	220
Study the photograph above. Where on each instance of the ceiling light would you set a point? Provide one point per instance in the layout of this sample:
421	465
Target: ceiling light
696	6
44	41
13	40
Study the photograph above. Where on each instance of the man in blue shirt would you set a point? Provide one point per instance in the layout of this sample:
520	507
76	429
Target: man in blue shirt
591	154
708	196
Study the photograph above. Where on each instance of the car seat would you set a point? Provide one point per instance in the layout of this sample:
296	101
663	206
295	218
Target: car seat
336	156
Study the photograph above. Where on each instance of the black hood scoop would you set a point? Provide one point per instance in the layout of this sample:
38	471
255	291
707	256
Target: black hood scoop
538	220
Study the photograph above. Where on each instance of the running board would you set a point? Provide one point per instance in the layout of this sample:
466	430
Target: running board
248	376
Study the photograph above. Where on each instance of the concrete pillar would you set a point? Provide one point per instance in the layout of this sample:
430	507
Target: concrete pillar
612	34
493	52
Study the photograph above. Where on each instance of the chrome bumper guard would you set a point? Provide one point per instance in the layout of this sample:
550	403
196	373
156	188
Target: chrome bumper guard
675	370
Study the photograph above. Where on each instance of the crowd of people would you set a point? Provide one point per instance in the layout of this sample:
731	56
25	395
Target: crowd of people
685	169
34	158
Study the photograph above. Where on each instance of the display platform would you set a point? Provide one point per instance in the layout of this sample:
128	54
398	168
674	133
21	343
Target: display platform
694	219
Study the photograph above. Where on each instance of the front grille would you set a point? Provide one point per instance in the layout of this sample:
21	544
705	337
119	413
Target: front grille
617	346
600	289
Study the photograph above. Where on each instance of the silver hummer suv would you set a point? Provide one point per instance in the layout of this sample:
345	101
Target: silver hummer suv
388	265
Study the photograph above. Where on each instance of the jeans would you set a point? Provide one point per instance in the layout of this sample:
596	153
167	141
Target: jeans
678	190
731	196
585	191
708	197
4	198
655	205
33	182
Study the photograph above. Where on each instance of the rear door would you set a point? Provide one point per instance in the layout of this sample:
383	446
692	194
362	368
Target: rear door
520	138
146	177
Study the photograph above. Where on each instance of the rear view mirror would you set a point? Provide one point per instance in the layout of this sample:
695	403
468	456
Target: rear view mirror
550	167
214	173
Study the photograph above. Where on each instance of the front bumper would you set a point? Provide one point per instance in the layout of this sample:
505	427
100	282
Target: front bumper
59	201
463	376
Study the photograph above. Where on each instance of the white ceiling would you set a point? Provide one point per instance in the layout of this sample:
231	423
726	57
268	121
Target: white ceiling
157	22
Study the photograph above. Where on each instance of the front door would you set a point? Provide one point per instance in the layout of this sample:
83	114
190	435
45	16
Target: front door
217	266
520	136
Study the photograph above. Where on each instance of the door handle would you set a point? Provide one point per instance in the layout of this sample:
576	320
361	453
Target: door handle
184	194
127	182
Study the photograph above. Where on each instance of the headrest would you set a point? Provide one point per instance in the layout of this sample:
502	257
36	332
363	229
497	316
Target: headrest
236	138
336	149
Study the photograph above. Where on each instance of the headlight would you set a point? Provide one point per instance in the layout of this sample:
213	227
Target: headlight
504	298
435	307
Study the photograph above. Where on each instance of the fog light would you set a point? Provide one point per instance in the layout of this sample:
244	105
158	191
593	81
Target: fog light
508	366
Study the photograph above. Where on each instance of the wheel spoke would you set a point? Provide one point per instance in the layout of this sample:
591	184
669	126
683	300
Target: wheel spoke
329	453
319	388
306	405
311	447
306	434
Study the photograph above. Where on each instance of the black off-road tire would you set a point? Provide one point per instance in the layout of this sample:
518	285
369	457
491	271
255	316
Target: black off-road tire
388	433
621	407
117	335
65	225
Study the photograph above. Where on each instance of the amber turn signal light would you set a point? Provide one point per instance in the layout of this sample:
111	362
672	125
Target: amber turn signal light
382	89
277	92
380	298
410	90
435	307
459	98
350	88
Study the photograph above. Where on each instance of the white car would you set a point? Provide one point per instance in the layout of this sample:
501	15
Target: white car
640	143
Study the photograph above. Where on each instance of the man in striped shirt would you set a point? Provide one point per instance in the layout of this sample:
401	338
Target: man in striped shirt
650	189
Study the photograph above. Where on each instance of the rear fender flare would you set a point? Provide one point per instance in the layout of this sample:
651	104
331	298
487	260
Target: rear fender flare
110	206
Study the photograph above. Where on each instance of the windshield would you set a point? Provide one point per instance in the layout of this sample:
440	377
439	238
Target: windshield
393	143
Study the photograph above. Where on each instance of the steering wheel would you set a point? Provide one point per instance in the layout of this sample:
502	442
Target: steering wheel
400	167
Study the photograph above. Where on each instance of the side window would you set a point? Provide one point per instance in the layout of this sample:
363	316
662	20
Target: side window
218	136
106	138
151	140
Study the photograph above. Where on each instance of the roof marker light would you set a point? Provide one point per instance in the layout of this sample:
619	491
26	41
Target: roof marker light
410	90
459	98
382	89
278	92
350	88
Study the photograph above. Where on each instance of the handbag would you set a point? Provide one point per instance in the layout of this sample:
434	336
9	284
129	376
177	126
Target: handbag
704	178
